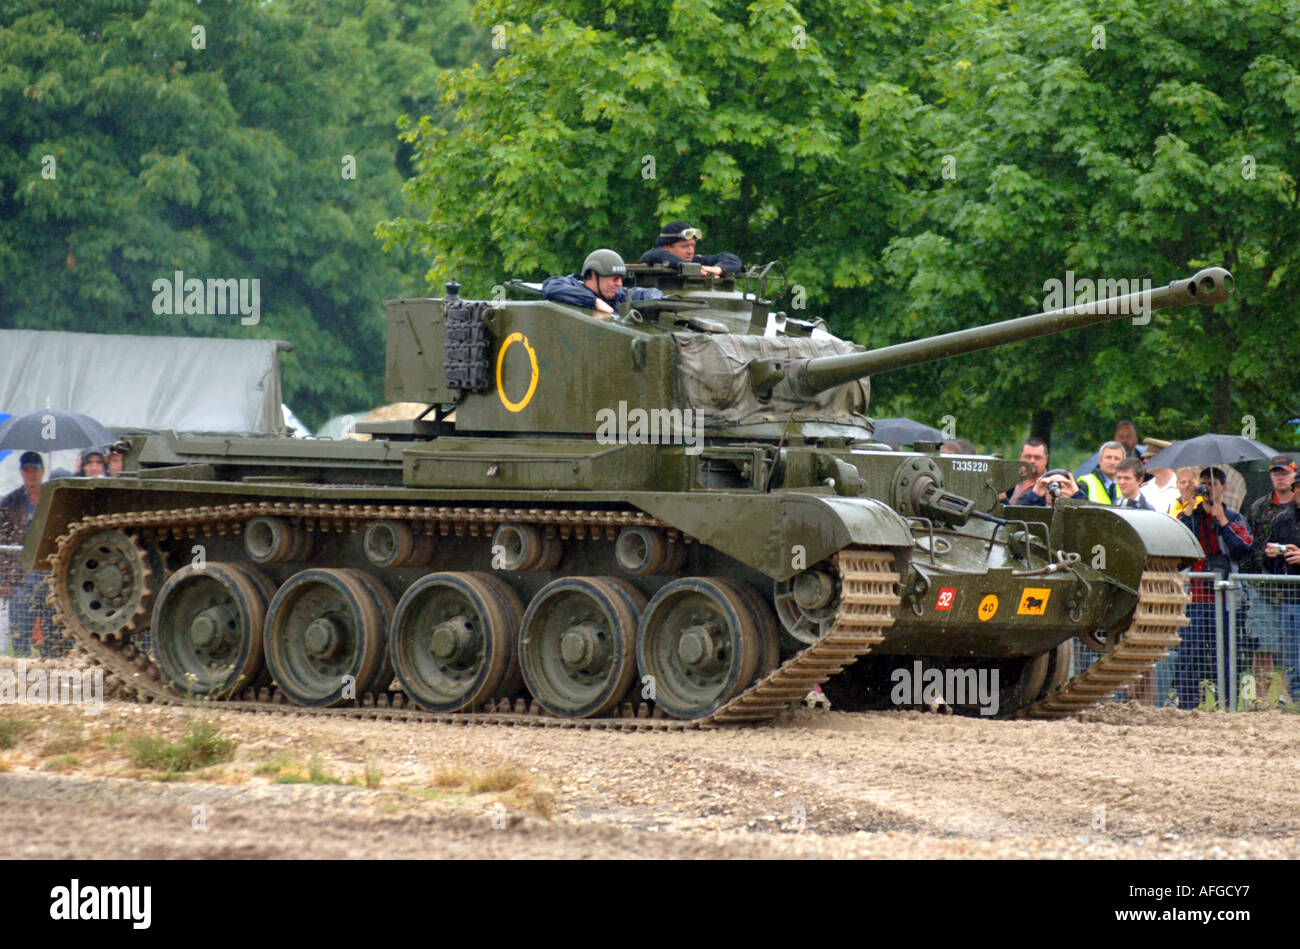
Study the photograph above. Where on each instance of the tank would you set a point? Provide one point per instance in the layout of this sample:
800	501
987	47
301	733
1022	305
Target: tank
677	517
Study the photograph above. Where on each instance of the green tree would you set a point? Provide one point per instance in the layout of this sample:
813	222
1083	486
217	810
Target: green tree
217	140
919	171
1111	140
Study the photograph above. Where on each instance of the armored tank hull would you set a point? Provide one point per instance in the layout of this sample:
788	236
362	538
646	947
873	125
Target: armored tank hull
536	558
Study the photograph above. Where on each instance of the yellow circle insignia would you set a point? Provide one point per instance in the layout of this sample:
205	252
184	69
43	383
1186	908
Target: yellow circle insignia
532	381
988	608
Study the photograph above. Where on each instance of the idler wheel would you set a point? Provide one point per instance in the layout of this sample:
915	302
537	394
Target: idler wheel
324	626
698	643
577	647
207	630
453	638
807	603
106	586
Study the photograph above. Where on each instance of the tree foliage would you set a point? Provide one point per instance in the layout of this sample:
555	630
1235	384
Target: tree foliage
919	170
219	153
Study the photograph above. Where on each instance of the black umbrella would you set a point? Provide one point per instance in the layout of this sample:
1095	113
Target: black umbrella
52	430
906	431
1205	450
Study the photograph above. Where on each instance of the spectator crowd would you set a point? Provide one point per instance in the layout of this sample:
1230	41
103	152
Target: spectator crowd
1263	540
22	592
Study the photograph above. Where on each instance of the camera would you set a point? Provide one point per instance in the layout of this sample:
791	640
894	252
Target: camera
1054	488
1202	491
1274	550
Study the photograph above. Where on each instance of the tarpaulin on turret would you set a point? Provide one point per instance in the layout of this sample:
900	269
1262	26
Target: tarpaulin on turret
713	378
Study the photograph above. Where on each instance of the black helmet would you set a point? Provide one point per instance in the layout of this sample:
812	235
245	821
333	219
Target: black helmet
605	262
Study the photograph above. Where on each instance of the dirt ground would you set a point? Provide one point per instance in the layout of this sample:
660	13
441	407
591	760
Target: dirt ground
1123	781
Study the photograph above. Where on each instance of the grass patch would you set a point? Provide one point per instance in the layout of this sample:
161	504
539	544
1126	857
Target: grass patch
479	782
451	778
498	779
528	797
199	747
13	730
373	776
62	763
293	773
72	738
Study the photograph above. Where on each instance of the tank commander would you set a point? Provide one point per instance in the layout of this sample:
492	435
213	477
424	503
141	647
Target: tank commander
676	243
599	287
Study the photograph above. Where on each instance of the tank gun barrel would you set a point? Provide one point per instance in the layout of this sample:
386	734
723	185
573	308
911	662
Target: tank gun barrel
810	376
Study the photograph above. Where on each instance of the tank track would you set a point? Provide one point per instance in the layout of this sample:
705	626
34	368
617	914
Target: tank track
1160	611
868	604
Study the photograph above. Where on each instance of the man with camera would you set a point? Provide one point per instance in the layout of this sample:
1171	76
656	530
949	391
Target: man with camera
1225	538
1054	484
1266	621
1034	454
1282	557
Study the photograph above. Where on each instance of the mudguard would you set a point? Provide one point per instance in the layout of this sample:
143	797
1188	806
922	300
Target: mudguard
779	535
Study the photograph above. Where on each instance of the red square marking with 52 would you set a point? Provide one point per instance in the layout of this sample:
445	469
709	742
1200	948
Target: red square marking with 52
946	596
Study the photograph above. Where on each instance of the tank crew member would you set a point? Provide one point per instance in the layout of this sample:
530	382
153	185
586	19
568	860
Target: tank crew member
1100	483
676	243
599	287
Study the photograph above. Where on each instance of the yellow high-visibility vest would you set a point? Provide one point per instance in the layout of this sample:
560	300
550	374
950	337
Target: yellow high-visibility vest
1092	484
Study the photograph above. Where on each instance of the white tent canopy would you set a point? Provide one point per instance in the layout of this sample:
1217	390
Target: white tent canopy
140	382
159	382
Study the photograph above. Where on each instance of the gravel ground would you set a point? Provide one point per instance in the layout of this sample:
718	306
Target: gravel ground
1123	781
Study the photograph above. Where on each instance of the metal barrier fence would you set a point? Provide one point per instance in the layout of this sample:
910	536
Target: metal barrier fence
1241	651
26	620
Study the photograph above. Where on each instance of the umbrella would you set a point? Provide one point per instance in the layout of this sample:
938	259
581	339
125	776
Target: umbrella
51	430
906	431
1205	450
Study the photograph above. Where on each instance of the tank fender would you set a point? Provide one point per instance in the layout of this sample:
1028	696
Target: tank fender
1118	541
780	535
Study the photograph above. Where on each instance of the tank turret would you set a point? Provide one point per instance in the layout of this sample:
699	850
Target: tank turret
526	366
